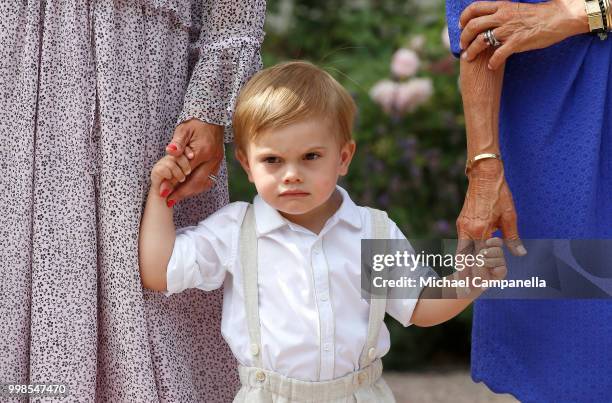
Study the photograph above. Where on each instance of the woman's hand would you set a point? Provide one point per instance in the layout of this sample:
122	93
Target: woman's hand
202	143
488	206
519	26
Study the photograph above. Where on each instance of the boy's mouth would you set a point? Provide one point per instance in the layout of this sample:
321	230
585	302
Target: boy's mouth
294	193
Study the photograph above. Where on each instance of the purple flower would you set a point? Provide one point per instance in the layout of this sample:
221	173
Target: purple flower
442	226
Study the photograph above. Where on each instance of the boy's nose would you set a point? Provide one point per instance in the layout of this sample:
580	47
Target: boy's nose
292	176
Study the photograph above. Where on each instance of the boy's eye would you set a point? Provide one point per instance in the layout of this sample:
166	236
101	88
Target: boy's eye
312	156
271	160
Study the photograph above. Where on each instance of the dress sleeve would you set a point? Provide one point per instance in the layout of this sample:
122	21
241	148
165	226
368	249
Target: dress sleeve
454	8
229	54
203	254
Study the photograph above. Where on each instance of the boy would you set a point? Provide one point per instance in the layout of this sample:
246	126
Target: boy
290	263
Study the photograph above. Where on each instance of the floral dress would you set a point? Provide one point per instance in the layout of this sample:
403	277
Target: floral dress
90	92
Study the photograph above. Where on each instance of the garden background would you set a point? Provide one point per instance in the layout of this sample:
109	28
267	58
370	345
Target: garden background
393	57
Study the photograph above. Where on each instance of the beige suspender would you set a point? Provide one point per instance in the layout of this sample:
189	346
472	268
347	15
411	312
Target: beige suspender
378	305
248	262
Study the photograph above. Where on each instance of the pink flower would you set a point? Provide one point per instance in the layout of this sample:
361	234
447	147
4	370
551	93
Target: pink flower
445	37
412	94
405	63
383	93
417	43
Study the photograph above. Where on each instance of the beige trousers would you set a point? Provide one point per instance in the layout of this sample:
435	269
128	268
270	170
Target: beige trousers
363	386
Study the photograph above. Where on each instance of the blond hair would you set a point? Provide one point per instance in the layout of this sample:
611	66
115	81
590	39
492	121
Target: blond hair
288	93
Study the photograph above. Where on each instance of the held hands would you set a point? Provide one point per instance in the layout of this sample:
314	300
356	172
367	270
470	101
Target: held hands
494	267
169	169
488	206
202	144
519	27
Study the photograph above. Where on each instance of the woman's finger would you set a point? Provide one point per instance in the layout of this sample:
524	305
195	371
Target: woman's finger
166	187
189	152
180	138
478	45
498	58
477	9
476	27
511	235
464	245
495	241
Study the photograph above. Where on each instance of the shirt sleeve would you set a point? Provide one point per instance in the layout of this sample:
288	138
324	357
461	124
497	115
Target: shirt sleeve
402	301
454	8
229	54
202	254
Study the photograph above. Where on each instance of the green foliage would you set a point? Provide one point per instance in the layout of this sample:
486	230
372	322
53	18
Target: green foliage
410	165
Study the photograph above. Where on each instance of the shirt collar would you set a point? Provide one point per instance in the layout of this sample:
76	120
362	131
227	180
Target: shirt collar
268	219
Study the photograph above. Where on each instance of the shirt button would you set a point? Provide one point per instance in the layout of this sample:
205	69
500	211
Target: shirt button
323	298
316	251
372	353
254	349
326	346
260	376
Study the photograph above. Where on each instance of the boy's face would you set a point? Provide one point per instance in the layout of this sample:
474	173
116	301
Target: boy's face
295	168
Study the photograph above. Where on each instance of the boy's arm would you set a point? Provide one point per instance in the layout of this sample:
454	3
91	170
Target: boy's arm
155	242
157	232
437	305
431	311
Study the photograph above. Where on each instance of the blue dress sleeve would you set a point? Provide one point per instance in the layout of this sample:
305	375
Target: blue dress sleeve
454	8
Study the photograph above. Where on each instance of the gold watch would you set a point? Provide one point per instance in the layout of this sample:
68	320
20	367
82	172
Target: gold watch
595	18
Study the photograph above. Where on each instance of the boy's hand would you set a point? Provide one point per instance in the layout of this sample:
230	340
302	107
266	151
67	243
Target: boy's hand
493	268
170	168
494	262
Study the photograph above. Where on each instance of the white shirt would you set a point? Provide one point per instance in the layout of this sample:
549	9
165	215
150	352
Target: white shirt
313	319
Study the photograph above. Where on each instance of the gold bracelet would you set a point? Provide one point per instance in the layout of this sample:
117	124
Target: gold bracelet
478	157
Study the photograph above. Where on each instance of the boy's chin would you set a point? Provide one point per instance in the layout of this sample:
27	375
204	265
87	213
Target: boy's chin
295	208
293	211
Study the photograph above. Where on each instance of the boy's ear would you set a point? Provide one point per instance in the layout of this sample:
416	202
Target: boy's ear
244	161
346	156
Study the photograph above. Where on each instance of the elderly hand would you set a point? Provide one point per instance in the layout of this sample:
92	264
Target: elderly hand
202	143
519	27
488	206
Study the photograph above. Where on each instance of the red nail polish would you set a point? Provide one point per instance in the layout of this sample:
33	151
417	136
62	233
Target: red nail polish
172	147
170	203
165	193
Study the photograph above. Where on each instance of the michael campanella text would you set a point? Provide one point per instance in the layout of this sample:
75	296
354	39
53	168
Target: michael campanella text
410	282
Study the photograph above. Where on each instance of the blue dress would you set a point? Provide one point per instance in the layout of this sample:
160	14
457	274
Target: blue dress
556	142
